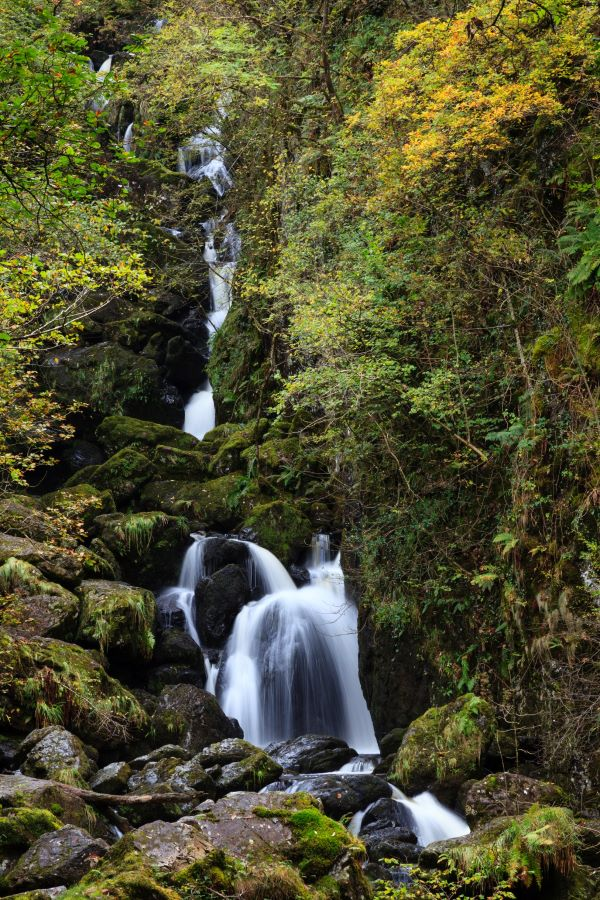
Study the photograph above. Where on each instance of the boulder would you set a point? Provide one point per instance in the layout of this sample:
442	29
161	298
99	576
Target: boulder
95	707
178	647
209	505
40	606
62	564
171	674
193	716
444	747
124	475
282	528
135	331
118	618
168	751
175	464
119	432
239	765
24	516
391	742
21	827
391	843
147	545
57	858
56	754
345	794
155	773
112	779
220	552
21	792
81	503
311	753
505	794
219	598
106	377
170	846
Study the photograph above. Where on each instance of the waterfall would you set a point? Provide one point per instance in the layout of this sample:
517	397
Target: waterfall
182	595
430	820
128	138
104	69
291	664
204	157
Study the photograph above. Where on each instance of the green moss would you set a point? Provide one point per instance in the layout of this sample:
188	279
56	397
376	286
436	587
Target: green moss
521	850
124	474
445	744
211	504
280	527
84	501
228	456
20	827
118	618
177	464
118	432
213	875
273	881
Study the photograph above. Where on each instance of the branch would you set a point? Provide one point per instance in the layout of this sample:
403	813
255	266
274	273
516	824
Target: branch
97	799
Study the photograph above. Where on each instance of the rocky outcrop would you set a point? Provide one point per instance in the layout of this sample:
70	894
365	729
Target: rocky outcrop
506	794
112	779
56	754
311	753
208	506
62	564
237	765
219	598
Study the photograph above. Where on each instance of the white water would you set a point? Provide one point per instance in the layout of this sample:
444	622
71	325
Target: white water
431	820
104	69
128	139
291	664
204	157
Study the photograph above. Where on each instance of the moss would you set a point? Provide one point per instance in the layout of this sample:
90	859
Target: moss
37	606
280	527
118	432
213	875
118	618
210	505
84	501
328	888
521	850
130	537
444	746
275	881
228	457
19	828
176	464
48	682
123	475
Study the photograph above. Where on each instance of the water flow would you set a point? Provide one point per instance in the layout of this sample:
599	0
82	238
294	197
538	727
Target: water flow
291	663
128	139
204	157
432	820
181	597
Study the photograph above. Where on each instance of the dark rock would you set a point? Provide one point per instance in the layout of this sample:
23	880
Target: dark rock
171	673
343	794
80	454
185	364
168	751
208	505
387	813
193	715
147	545
57	858
391	741
219	599
56	754
391	843
178	647
112	779
170	846
300	575
220	552
311	753
239	765
9	752
506	794
282	528
171	616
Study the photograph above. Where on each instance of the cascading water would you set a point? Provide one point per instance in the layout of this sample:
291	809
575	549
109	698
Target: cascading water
427	817
128	138
204	157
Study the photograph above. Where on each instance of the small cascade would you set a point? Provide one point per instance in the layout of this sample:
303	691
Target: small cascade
429	819
104	69
128	138
181	597
100	102
204	157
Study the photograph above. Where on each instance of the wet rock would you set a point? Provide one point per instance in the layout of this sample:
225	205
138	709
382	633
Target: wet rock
444	747
344	794
147	546
193	715
118	618
311	753
220	552
170	846
112	779
123	474
170	674
80	454
282	528
387	813
392	741
219	599
300	575
56	754
41	607
19	790
506	794
185	363
118	432
60	564
178	647
57	858
168	751
9	752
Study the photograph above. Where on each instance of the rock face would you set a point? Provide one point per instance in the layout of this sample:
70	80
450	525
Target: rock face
345	794
24	516
193	715
506	794
311	753
174	646
43	607
219	599
147	546
112	779
444	747
57	858
55	753
220	552
118	618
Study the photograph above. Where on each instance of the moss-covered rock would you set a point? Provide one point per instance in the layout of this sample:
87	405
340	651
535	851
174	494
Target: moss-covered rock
20	827
56	858
31	804
135	331
61	564
444	747
506	794
82	502
25	517
226	456
210	505
148	546
38	606
124	475
56	754
191	716
282	528
44	680
118	432
240	765
118	618
180	465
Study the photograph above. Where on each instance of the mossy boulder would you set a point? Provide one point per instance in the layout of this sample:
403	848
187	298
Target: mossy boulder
180	465
108	378
191	716
118	618
124	475
20	827
112	779
135	331
282	528
444	747
211	505
227	455
34	806
82	502
148	546
506	794
56	858
38	606
56	754
62	564
25	517
119	432
42	678
239	765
